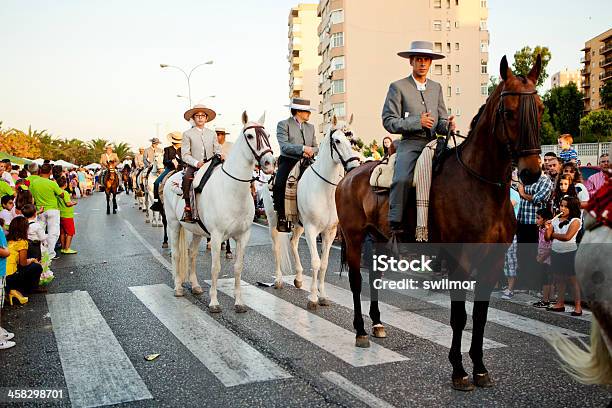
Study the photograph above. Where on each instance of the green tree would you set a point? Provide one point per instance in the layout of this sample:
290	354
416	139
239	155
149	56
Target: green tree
525	58
605	94
123	150
493	82
96	148
565	105
548	134
597	126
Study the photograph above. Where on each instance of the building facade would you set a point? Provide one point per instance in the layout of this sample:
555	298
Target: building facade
596	70
303	57
563	78
358	43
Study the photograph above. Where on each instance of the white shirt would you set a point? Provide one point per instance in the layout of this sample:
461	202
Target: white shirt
564	246
583	194
420	86
6	176
7	216
36	232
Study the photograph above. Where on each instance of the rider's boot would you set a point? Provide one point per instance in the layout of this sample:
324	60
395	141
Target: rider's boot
282	225
188	216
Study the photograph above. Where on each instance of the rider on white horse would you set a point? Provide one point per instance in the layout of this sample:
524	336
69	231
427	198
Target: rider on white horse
172	161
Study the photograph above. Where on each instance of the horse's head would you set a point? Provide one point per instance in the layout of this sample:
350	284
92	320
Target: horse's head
254	143
519	117
338	138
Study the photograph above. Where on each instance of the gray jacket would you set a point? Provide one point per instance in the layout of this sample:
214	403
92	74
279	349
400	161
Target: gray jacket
404	105
292	140
199	146
149	155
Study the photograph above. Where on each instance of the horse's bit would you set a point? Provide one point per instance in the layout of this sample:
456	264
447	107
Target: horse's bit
262	140
333	148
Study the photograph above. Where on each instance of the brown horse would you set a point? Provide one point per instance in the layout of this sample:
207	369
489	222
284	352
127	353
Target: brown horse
469	203
111	185
127	180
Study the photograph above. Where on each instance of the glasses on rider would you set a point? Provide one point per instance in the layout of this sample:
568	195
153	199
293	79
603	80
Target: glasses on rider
200	116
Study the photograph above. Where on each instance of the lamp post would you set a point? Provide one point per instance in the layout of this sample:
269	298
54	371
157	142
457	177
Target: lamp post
188	76
199	100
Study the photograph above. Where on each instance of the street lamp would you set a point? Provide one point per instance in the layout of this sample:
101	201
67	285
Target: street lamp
188	76
199	100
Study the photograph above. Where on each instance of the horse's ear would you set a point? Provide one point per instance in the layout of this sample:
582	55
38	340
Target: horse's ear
534	74
262	119
504	71
351	119
245	118
334	121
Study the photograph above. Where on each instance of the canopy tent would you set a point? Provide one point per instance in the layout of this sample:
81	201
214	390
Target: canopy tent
65	164
14	159
40	161
93	166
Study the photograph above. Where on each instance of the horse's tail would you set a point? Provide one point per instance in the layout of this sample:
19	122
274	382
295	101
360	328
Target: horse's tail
283	239
182	255
269	207
343	258
590	366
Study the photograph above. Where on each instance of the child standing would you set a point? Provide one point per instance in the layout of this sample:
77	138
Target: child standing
67	230
544	251
510	261
562	232
5	336
567	154
8	202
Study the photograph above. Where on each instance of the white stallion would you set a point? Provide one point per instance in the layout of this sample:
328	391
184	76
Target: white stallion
317	209
139	194
156	169
226	209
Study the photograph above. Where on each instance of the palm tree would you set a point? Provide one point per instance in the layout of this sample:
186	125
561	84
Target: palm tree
96	148
123	150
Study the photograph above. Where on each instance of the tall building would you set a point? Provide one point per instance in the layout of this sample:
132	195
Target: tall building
359	41
563	78
303	57
597	69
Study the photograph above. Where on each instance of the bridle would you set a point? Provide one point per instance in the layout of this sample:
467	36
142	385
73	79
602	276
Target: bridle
528	137
333	148
262	141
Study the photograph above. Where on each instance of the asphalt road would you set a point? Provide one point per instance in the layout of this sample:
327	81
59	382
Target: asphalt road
111	305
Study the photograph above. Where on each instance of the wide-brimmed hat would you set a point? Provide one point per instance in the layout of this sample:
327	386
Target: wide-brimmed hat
200	108
301	105
175	137
423	48
154	140
222	130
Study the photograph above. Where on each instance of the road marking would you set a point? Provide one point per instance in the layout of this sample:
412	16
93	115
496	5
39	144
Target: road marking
302	237
229	358
324	334
153	251
501	317
356	391
96	369
409	322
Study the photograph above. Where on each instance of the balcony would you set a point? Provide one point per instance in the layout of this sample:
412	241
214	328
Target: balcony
585	59
585	71
585	84
605	63
604	49
605	75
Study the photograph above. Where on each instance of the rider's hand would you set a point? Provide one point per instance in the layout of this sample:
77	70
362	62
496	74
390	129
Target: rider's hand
426	120
175	162
451	123
200	164
308	151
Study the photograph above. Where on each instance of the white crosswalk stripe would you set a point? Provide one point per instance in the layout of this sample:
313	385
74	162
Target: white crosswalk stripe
228	357
96	369
409	322
324	334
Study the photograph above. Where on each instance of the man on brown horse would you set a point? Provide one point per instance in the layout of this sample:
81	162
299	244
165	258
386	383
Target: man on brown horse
108	157
415	109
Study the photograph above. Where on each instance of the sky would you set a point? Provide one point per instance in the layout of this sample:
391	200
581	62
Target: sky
90	68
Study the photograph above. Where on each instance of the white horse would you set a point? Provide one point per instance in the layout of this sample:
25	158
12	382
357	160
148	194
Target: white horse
317	210
139	194
226	209
157	167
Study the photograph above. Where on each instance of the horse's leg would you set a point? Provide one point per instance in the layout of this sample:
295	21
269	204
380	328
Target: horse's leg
295	241
315	264
239	305
165	222
458	319
107	201
194	247
353	257
328	239
276	250
215	251
114	202
378	330
479	320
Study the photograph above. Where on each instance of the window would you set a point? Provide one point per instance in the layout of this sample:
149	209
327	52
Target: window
456	46
458	91
448	25
337	40
483	25
483	3
438	69
339	109
448	69
437	3
337	86
456	24
483	67
438	47
484	89
484	47
456	2
458	112
296	67
448	3
449	91
337	16
457	68
450	111
437	25
448	48
337	63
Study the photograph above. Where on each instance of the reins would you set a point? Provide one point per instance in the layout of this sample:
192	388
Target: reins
262	140
333	148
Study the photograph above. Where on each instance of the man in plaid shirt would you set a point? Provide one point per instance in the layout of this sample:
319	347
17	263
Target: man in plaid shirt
533	198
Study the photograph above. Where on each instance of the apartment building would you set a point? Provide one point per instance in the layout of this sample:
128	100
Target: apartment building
596	70
359	41
564	77
303	57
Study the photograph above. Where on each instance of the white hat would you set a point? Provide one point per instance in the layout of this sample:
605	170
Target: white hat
175	137
221	130
424	48
301	105
200	108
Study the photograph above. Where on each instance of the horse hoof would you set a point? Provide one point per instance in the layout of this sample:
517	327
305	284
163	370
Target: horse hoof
463	384
197	290
240	308
297	283
324	302
165	245
483	380
214	309
114	211
312	305
379	332
178	292
278	285
362	341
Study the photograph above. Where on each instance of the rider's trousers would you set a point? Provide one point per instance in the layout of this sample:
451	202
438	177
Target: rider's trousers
51	220
158	181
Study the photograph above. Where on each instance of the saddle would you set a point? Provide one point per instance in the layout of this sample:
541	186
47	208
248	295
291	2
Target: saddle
291	209
162	184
